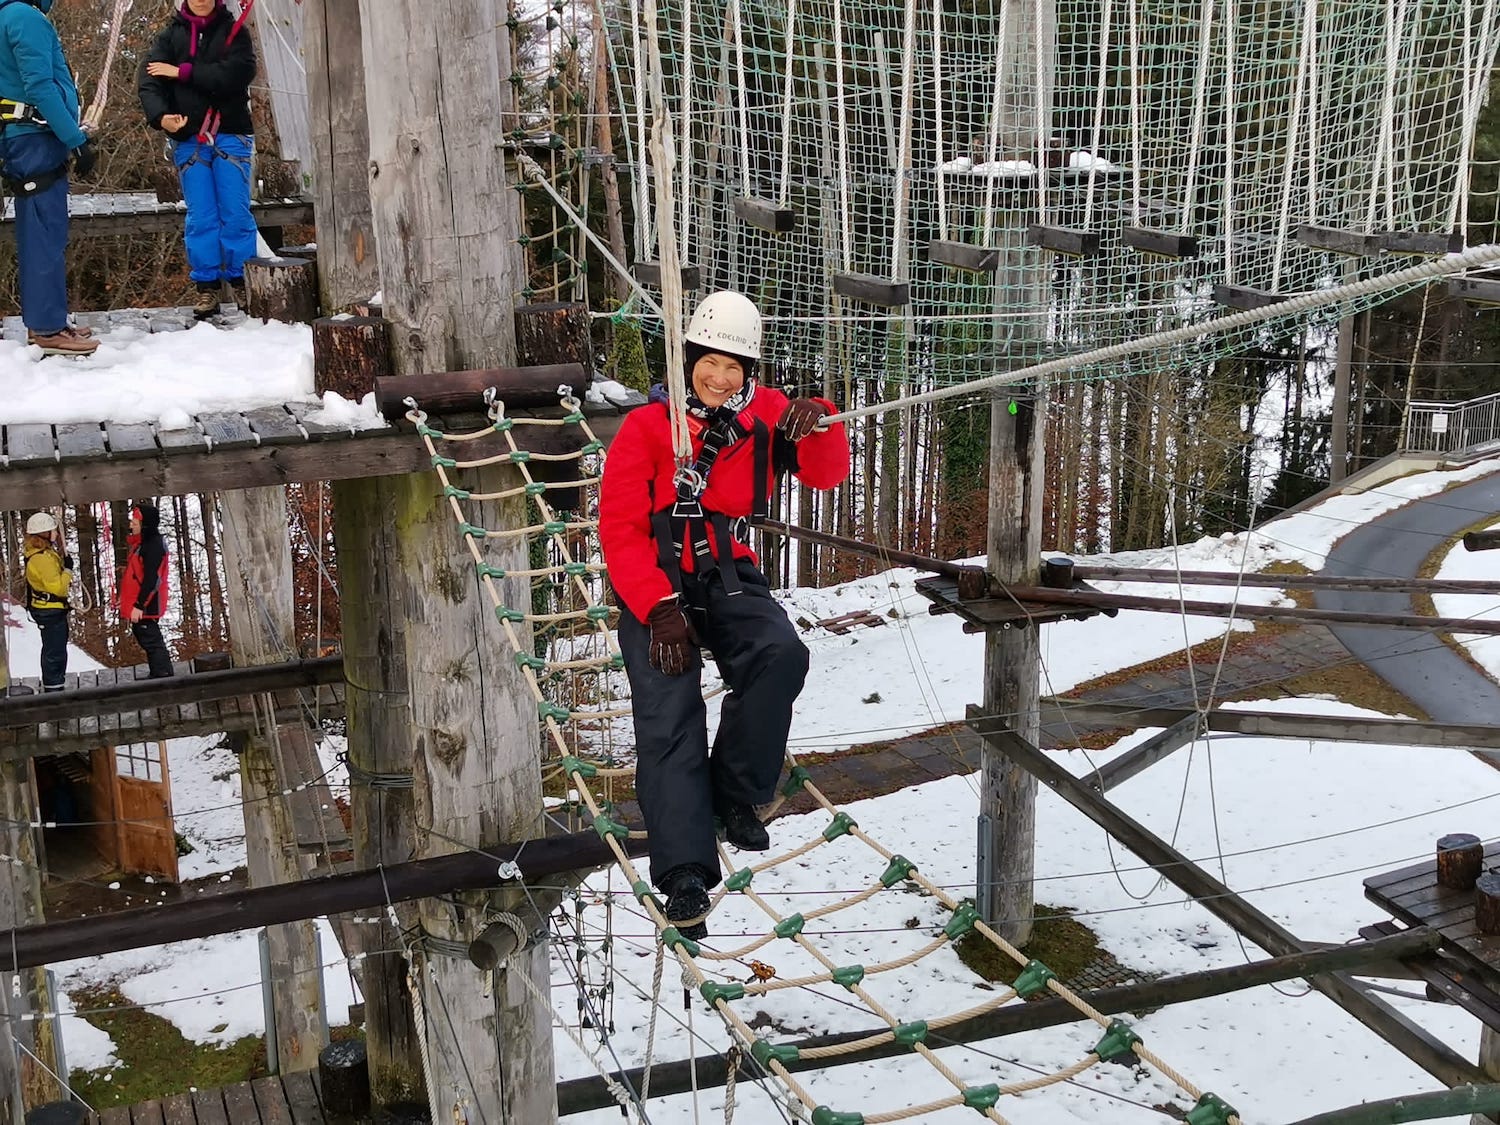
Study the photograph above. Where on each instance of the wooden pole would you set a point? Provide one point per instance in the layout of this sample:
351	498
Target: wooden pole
347	267
614	223
1007	800
262	629
26	1042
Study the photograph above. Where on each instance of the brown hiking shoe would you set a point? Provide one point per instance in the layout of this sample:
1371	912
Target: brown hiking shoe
207	304
235	287
68	341
76	329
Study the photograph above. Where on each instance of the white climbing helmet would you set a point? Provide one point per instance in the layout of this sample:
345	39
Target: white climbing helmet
726	322
41	524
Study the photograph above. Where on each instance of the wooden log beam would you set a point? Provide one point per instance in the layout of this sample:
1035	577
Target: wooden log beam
1286	581
499	940
272	213
1147	754
464	390
212	914
579	1095
1482	540
53	707
1277	724
1406	1036
1414	1107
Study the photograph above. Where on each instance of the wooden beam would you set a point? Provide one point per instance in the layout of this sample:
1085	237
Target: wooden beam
1247	296
579	1095
1071	241
1139	758
963	255
1337	240
211	914
1160	243
271	213
766	214
463	391
872	289
1277	724
1292	581
1413	1041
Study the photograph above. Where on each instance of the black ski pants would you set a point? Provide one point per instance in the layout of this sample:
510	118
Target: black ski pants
147	634
679	782
53	626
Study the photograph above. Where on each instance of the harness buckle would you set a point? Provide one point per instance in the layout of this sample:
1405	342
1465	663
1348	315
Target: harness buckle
690	481
740	528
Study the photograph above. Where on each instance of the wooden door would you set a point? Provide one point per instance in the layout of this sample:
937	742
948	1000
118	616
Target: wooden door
143	800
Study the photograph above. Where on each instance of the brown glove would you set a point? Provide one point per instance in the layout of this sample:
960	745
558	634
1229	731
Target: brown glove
800	418
672	637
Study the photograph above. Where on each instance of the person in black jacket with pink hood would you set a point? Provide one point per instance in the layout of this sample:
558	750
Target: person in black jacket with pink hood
143	588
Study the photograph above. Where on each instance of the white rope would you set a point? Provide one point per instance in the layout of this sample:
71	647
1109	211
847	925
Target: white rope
1231	119
1097	134
744	112
902	167
1477	78
732	1057
1195	130
683	140
1383	172
1314	120
937	118
1473	258
1135	114
784	195
992	146
846	225
1289	163
656	973
646	227
419	1023
688	987
1042	116
94	116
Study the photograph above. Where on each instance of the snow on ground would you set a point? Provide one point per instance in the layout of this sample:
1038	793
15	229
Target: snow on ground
1472	566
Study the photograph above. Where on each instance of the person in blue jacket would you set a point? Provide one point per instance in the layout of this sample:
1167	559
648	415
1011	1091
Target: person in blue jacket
41	131
195	87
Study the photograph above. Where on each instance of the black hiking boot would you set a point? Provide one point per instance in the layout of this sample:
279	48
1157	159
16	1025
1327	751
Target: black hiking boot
743	829
687	904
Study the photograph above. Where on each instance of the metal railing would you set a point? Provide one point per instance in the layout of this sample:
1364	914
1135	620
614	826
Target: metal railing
1451	427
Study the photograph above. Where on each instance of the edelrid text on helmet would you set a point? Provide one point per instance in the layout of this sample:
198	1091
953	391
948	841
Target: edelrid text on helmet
727	322
41	523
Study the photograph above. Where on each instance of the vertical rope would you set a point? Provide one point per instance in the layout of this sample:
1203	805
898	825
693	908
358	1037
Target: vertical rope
646	228
1039	47
937	118
992	143
1292	151
1195	130
1097	134
902	169
683	140
846	224
1132	18
744	111
1314	120
94	115
785	193
1231	18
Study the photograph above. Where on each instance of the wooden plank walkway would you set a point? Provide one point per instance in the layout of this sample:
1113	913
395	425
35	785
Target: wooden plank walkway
1412	895
288	1099
140	212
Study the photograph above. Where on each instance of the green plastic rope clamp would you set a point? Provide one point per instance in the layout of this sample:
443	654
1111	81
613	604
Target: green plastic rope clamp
427	431
536	488
672	938
1033	980
526	660
502	425
441	462
790	927
546	709
898	869
505	613
608	826
577	767
825	1116
764	1052
848	975
910	1034
1119	1040
795	781
555	527
1211	1110
641	889
472	530
573	416
839	826
616	662
739	880
713	991
981	1098
962	922
597	613
576	569
519	456
450	492
592	447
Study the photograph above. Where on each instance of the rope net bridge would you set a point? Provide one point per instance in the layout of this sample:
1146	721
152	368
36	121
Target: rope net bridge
564	648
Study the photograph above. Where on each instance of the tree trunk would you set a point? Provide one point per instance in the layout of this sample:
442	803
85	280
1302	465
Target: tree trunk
284	289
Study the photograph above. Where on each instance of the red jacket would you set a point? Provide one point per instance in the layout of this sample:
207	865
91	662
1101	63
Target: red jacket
638	482
144	583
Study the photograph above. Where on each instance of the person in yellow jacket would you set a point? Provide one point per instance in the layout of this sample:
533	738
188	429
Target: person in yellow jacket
49	574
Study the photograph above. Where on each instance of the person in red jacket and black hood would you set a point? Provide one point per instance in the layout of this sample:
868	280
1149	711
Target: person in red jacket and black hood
143	588
677	548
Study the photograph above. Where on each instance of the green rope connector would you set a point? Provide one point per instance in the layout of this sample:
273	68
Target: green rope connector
713	991
764	1052
608	826
526	660
577	767
739	880
898	869
981	1098
795	781
597	613
962	922
848	975
573	417
790	927
576	569
485	570
472	530
519	456
441	462
910	1034
555	527
1211	1110
642	891
502	425
450	492
546	709
1033	980
505	613
536	488
616	662
517	78
672	938
592	447
427	431
825	1116
839	826
1119	1040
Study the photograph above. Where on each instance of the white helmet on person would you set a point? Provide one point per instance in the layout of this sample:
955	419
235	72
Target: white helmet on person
41	523
727	322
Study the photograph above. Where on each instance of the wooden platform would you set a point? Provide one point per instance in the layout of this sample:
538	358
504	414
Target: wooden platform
1412	895
140	212
290	1099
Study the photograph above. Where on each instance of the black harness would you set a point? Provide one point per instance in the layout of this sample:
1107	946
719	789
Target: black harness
687	522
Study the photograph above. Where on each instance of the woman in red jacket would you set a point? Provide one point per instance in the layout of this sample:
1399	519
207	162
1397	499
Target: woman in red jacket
677	548
143	588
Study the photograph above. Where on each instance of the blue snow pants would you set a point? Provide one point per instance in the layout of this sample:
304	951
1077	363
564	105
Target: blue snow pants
219	231
41	228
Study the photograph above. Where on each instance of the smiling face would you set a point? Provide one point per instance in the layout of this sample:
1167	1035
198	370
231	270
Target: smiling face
717	378
201	8
135	525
